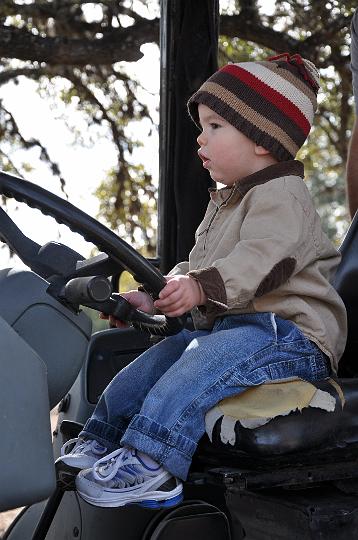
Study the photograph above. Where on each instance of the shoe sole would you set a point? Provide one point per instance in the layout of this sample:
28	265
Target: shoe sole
164	500
66	476
168	503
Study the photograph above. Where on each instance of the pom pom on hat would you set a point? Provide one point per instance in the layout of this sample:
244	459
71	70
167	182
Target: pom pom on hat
272	101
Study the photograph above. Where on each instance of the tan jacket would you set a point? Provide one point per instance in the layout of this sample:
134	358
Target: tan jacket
260	248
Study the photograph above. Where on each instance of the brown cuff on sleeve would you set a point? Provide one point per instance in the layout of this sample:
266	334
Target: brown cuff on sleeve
213	286
278	275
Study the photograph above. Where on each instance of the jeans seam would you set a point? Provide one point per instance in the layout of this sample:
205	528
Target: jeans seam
313	364
169	443
99	427
323	369
302	343
251	359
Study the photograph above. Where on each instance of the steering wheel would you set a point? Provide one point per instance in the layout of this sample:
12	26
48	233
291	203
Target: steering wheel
117	250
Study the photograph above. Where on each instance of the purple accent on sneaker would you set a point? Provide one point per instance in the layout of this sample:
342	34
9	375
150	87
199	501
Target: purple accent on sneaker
145	465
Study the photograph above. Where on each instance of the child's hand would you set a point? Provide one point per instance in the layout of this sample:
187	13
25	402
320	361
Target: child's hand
138	299
180	295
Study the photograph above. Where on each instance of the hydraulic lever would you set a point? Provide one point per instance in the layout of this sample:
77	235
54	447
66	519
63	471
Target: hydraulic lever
96	293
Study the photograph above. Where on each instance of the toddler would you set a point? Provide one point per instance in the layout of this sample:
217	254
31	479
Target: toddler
257	283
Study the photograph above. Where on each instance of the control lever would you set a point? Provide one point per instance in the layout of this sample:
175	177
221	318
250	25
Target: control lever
87	289
96	293
158	325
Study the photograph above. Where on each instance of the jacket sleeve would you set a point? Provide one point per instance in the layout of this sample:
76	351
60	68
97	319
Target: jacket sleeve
180	269
275	241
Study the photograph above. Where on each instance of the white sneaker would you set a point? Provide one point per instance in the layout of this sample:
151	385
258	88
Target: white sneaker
122	478
77	454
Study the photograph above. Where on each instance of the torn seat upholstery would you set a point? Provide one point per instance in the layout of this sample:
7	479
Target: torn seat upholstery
287	417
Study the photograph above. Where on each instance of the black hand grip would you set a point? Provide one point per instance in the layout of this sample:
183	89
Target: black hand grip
82	290
155	324
123	310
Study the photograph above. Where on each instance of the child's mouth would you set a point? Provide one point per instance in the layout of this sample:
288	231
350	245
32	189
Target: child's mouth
204	159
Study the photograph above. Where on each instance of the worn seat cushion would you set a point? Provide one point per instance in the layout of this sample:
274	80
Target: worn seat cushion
286	417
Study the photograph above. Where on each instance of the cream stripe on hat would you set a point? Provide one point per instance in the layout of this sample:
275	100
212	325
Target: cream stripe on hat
293	80
281	85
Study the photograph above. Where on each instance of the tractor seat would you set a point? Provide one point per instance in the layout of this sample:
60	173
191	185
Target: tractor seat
328	427
309	431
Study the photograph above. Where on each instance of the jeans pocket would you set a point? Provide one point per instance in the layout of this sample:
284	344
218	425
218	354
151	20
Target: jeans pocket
303	367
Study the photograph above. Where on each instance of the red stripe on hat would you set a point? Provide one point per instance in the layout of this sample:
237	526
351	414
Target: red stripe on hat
277	99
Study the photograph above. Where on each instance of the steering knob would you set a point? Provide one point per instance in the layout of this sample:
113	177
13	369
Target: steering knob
88	289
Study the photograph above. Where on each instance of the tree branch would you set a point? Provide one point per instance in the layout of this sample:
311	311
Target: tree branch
243	28
4	158
32	72
42	9
123	44
86	93
252	30
31	143
119	44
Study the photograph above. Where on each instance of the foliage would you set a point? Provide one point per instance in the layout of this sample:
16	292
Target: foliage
78	52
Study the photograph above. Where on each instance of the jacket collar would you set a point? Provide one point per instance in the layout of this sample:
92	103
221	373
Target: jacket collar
240	188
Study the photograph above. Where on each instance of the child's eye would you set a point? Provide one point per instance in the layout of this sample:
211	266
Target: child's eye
214	125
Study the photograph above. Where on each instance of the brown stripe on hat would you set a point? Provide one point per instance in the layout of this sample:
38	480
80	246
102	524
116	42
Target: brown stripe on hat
288	74
231	101
258	103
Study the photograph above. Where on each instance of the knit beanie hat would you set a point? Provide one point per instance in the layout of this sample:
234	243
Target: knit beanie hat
272	101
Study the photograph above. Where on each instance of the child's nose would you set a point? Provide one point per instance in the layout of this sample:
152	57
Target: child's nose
201	139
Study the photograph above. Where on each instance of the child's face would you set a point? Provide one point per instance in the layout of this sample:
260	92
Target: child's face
226	153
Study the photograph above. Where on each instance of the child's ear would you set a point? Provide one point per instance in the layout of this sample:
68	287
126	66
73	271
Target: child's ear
261	151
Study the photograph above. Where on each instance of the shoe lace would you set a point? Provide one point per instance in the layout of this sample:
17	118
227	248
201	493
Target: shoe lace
82	446
123	461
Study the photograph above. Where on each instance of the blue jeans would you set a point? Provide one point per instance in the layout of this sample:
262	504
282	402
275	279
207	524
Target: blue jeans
158	403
